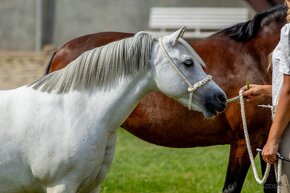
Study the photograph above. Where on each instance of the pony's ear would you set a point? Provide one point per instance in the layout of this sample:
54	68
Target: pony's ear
173	38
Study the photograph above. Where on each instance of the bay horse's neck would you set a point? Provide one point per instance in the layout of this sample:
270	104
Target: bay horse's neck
250	41
245	59
264	43
268	37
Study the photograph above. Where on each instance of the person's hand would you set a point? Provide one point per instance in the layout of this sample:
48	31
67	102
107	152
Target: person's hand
251	91
269	152
255	90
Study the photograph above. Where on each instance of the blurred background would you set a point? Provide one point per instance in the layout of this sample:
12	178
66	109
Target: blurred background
33	24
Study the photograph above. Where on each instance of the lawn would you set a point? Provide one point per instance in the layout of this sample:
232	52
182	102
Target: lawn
140	167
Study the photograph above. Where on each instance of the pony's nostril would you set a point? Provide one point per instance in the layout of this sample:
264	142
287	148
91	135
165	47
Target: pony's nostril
221	98
216	103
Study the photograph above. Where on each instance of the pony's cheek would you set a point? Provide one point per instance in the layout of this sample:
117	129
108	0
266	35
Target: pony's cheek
170	87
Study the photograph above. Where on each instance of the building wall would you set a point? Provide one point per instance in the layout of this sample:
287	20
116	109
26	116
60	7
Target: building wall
74	18
17	24
67	19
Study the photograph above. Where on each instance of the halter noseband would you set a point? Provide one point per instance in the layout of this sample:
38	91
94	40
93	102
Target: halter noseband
191	88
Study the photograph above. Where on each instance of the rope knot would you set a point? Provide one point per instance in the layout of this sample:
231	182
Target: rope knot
192	88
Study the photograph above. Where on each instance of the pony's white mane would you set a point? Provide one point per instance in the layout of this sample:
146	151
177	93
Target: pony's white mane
101	66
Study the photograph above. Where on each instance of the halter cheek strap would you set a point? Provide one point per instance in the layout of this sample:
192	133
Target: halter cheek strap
191	88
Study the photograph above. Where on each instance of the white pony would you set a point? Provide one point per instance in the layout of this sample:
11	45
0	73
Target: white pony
58	134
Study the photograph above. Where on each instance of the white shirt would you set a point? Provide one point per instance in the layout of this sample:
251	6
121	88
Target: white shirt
281	63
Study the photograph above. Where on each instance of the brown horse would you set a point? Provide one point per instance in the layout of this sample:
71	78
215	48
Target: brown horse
233	55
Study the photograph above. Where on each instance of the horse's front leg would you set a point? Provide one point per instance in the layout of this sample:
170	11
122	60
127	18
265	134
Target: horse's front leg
238	166
109	154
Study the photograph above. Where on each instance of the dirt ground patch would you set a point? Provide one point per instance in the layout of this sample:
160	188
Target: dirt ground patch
20	68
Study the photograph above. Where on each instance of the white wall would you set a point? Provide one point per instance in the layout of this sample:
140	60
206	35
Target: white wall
67	19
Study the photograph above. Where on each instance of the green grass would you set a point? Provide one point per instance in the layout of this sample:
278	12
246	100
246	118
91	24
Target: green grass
140	167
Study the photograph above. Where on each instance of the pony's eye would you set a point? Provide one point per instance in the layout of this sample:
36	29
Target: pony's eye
188	63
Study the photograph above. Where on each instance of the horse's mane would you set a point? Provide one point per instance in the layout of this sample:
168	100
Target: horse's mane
247	30
101	66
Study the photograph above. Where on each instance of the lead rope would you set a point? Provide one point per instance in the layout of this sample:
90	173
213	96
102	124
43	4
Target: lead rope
248	144
191	88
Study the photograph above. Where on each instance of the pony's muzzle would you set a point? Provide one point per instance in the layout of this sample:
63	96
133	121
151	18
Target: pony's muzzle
216	103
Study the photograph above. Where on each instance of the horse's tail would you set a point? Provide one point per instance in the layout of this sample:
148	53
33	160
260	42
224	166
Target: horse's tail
49	64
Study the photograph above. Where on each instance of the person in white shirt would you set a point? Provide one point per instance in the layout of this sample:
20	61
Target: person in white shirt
279	135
